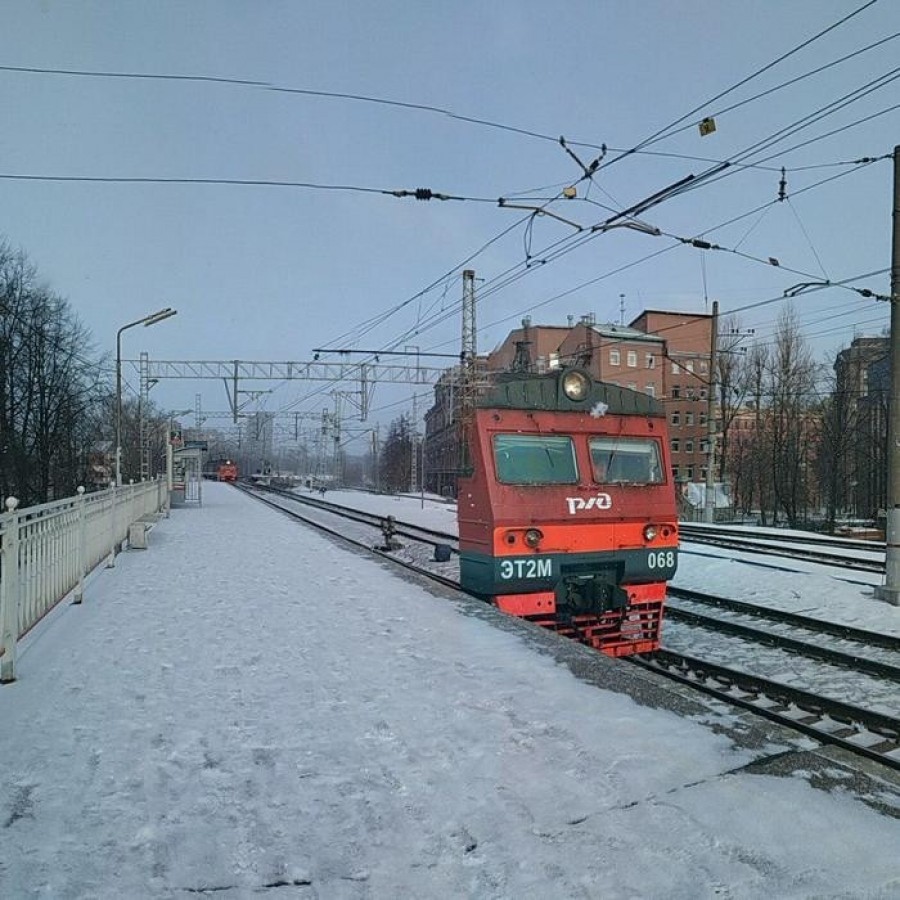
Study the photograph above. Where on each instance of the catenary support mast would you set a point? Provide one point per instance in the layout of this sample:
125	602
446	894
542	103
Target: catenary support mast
709	513
890	590
467	383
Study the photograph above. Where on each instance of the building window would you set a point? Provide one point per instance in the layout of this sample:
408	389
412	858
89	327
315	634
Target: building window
675	474
632	359
704	367
703	418
674	445
651	389
632	385
690	473
675	368
703	471
614	358
688	418
704	446
702	393
690	366
688	446
676	418
676	391
651	361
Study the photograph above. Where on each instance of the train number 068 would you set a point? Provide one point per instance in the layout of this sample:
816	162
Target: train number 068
661	559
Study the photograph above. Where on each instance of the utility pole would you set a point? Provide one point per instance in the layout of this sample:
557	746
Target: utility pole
890	590
709	510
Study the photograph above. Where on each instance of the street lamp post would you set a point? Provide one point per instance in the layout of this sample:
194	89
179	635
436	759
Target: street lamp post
152	319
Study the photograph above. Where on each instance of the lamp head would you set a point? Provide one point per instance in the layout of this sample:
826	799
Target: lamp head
153	318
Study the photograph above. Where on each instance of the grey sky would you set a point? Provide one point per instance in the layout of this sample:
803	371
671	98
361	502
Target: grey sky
268	272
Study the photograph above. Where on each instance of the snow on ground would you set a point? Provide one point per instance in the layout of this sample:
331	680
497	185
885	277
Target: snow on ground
429	511
247	705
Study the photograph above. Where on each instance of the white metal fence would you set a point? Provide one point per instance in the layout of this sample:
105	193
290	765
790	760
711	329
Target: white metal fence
46	551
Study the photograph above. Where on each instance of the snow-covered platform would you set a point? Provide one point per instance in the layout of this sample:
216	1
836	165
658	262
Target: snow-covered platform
247	708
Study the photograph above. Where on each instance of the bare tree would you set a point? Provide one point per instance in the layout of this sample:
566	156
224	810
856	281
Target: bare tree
732	378
793	428
838	437
47	386
749	450
396	456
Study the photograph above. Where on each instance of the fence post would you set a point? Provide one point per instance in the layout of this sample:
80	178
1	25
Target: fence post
111	560
9	593
79	505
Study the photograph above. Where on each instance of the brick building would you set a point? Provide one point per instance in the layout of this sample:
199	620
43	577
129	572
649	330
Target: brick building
685	383
663	354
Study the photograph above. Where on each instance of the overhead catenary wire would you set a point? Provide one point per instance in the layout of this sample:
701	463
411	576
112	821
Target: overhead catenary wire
417	331
547	137
718	113
665	132
338	95
659	135
518	271
416	193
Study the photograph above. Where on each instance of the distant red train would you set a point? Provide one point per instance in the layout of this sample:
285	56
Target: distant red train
568	517
227	471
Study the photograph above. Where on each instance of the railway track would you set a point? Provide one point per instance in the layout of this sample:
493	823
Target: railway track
409	530
860	556
860	731
739	607
867	732
850	648
837	664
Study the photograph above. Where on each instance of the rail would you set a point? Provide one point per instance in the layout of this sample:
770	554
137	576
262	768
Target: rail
47	550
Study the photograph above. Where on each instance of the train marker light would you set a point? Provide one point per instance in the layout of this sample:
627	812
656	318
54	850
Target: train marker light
649	532
575	385
533	537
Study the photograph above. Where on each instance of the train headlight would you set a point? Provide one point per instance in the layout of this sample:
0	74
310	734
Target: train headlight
650	532
575	385
533	537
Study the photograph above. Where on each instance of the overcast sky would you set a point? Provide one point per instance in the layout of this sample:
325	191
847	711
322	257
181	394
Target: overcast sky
269	272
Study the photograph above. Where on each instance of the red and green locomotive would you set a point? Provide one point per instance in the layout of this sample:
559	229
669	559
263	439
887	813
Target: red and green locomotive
227	471
568	515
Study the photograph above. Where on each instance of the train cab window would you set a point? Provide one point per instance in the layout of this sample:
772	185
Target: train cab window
535	459
626	461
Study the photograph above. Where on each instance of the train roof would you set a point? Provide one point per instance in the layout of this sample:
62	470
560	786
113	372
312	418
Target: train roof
525	390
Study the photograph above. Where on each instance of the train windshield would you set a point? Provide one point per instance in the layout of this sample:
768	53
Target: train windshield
626	461
535	459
